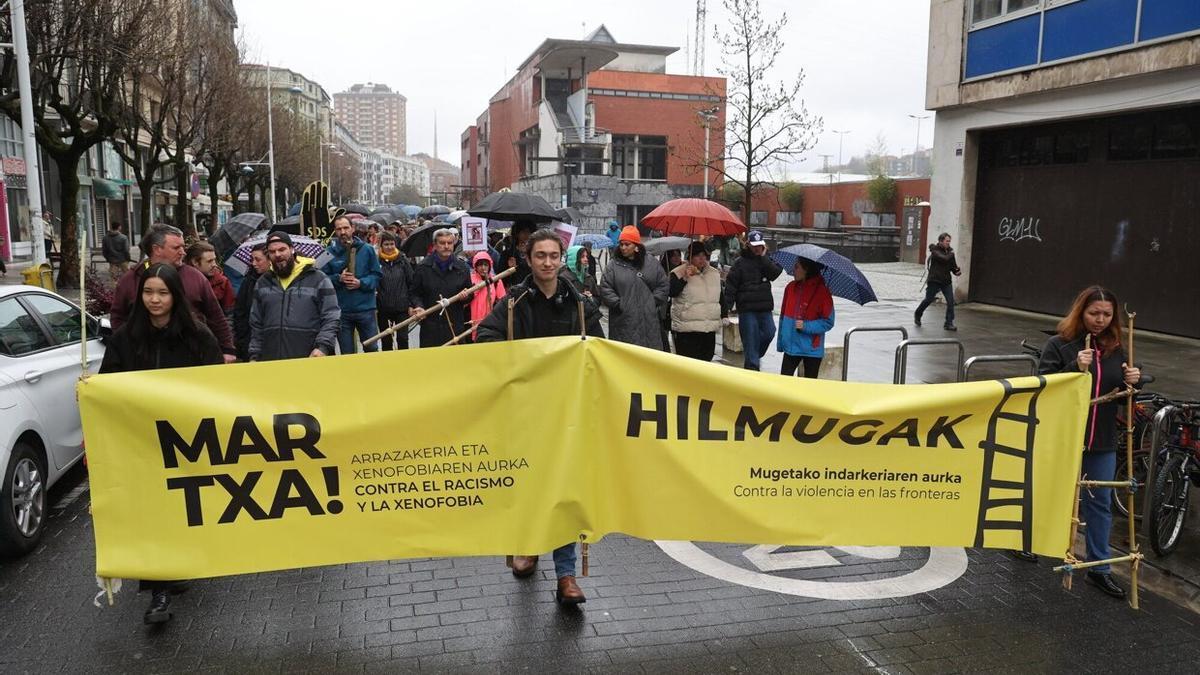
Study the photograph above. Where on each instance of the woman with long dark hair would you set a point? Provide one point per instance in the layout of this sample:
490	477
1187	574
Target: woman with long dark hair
160	333
1089	341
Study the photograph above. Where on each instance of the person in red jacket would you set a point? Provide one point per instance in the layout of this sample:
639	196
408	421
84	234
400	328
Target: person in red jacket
203	257
164	244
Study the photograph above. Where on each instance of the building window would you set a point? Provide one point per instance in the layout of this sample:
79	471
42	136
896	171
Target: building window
786	218
640	157
758	217
987	10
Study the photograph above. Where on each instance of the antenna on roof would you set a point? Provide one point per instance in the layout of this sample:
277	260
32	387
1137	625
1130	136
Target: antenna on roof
698	49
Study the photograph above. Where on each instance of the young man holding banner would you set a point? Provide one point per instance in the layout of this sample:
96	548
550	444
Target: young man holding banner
544	306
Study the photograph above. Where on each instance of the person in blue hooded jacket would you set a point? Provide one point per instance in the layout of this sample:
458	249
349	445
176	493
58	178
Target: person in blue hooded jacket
355	283
804	319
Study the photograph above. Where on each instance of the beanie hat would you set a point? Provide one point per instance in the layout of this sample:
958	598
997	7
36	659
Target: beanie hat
280	236
630	234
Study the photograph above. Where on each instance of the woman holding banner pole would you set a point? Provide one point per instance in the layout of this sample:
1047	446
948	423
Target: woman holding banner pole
161	333
1089	341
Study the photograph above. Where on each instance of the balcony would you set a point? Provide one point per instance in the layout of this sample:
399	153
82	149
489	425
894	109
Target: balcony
584	136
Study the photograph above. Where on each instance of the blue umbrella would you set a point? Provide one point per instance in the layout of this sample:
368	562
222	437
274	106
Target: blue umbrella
841	276
598	241
411	211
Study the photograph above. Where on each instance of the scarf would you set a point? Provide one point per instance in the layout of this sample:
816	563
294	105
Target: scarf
807	300
389	258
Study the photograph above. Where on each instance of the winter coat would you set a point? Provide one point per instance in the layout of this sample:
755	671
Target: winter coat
483	300
366	270
199	294
120	352
808	301
748	286
223	289
431	284
115	248
1058	356
290	322
512	256
241	315
634	291
941	265
536	316
395	285
696	300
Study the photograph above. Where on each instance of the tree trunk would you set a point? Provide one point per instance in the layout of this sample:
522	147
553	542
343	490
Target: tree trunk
183	210
68	242
214	196
146	187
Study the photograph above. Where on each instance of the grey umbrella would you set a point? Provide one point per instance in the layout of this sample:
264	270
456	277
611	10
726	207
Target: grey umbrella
661	245
435	210
234	232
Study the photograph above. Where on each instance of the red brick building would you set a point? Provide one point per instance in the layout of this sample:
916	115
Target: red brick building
597	125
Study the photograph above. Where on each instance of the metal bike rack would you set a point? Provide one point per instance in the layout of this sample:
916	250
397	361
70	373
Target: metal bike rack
899	374
999	358
865	329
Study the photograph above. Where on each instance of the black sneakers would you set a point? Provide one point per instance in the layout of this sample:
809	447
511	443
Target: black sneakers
160	608
1105	583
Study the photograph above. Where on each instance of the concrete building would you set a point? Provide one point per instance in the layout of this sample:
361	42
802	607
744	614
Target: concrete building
293	90
376	115
401	170
598	125
443	176
1067	147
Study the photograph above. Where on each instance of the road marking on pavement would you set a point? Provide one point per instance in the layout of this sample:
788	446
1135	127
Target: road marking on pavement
766	559
866	659
70	498
944	566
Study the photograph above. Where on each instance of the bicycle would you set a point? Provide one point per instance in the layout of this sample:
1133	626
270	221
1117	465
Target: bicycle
1180	468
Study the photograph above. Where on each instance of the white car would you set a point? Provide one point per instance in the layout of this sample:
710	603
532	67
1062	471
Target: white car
40	433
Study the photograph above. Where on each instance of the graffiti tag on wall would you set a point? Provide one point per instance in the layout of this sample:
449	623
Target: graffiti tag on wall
1020	229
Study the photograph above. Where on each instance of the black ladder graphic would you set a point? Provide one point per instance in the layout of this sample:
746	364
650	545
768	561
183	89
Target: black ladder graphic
1010	489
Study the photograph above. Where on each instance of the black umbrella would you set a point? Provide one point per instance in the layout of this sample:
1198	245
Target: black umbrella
381	209
435	210
384	218
569	215
234	232
514	206
360	209
418	241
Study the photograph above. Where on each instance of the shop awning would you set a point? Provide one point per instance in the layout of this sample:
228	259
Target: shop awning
107	189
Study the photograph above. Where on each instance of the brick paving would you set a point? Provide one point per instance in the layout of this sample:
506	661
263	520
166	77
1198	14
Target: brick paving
645	613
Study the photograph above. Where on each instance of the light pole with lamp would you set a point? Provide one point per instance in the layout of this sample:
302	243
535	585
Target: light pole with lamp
707	116
321	157
841	135
917	147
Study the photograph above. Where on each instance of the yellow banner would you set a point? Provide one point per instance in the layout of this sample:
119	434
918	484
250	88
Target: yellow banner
521	447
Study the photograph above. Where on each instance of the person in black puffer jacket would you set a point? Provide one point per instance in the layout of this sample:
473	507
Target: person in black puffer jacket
392	297
942	264
748	288
1089	341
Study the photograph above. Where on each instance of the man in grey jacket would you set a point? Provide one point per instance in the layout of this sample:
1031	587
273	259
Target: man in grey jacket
634	287
295	312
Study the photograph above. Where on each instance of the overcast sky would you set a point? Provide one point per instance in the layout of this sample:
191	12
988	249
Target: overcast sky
864	59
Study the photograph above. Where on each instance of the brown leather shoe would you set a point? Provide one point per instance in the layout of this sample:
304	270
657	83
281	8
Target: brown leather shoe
569	592
524	565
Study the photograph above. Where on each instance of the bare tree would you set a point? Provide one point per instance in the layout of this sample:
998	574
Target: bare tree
765	123
344	173
225	131
80	52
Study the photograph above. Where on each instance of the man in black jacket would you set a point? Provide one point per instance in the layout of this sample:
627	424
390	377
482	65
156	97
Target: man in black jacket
259	265
440	276
748	288
295	312
941	265
544	306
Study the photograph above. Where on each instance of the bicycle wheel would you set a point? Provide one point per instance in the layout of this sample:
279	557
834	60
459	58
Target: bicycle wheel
1168	510
1143	435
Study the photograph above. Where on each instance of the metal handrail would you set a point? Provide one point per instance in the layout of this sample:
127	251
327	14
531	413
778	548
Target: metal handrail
865	329
900	373
999	358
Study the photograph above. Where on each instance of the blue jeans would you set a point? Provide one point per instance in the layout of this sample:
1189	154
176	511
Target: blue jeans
1095	507
757	330
931	291
367	327
564	561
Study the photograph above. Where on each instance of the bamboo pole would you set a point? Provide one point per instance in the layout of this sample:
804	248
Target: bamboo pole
1107	483
434	309
1113	396
1071	567
1070	558
1133	545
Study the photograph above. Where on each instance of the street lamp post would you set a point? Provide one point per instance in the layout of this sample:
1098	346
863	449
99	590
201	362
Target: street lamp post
271	142
707	116
916	147
841	135
33	183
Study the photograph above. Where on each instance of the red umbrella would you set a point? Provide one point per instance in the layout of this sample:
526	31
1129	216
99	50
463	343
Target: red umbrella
693	217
